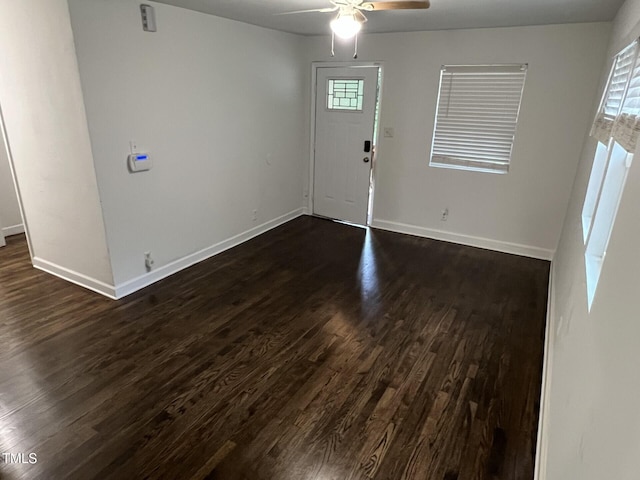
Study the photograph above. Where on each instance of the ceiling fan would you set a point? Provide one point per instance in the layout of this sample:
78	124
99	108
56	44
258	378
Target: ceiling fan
350	17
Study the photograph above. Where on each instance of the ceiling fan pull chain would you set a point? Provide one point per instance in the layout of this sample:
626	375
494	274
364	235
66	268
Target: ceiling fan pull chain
355	53
333	41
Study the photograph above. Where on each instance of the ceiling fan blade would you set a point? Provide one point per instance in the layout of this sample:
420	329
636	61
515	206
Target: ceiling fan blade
377	6
321	10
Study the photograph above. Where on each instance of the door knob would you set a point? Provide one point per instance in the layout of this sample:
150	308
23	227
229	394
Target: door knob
365	159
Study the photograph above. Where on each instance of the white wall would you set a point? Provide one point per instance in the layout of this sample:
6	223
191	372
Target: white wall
522	211
9	208
220	107
45	121
592	427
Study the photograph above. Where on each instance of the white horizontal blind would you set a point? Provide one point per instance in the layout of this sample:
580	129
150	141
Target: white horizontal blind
619	78
614	93
477	115
626	129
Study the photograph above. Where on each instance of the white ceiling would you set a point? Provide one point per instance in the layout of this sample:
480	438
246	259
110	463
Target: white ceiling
443	14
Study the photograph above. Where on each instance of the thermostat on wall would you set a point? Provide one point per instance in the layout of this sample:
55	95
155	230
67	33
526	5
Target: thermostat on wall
140	162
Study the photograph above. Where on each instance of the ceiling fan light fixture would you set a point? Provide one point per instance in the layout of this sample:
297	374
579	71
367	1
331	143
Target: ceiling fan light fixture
345	25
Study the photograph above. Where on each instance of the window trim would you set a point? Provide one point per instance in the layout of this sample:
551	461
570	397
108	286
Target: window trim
604	216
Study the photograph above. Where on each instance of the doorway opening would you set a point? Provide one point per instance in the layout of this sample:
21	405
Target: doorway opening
11	216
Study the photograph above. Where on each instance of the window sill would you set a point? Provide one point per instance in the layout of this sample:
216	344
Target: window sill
500	170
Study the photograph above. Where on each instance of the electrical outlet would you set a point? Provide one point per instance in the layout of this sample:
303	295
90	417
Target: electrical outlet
445	215
255	215
148	260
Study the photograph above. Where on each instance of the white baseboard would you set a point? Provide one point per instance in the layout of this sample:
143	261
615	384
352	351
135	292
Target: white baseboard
486	243
13	230
75	277
164	271
542	446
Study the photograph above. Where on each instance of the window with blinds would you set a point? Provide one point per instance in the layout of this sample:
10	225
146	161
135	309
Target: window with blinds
617	128
618	86
477	116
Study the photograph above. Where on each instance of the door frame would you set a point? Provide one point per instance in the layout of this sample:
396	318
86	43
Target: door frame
312	130
4	143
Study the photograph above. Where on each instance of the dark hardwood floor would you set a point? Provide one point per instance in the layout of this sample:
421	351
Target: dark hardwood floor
316	351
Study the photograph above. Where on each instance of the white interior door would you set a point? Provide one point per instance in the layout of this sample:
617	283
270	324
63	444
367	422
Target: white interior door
345	111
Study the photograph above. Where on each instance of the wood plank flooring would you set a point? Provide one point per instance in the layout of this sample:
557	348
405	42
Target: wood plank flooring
316	351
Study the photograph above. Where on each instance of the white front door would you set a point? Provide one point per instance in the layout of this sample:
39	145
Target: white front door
345	112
